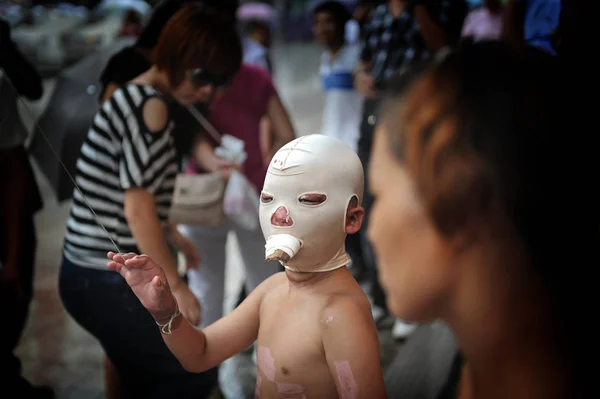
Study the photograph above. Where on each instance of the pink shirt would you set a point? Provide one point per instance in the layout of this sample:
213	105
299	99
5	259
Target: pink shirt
238	113
480	24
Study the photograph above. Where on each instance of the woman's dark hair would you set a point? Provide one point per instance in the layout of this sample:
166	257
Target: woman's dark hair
339	11
485	133
198	36
470	130
167	8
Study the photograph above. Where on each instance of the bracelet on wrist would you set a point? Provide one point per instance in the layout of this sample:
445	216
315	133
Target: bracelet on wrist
167	327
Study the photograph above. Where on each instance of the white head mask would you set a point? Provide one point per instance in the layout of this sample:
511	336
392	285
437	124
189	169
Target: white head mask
311	234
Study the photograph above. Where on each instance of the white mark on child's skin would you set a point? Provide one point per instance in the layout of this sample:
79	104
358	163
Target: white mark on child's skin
329	319
290	389
348	384
266	363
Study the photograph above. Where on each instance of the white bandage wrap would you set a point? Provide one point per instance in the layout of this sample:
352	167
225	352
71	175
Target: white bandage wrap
285	242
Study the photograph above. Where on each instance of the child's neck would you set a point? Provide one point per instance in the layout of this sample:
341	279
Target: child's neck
307	280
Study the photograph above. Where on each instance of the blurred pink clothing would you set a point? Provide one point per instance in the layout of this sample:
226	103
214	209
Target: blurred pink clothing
239	112
481	24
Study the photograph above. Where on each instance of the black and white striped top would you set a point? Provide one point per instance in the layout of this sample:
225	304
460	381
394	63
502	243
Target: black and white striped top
119	153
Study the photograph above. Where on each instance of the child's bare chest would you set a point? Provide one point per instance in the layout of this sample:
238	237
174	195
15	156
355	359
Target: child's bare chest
291	362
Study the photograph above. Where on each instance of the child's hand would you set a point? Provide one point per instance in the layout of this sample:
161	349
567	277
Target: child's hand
148	282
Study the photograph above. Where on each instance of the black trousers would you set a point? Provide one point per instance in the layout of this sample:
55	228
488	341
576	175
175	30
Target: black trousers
15	306
365	144
14	303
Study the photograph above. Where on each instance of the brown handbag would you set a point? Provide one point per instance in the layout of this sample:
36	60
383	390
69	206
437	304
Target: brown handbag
198	199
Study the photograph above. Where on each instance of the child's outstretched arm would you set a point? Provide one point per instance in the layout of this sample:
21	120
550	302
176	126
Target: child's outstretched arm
351	347
195	349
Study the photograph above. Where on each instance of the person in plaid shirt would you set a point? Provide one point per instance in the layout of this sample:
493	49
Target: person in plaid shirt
398	34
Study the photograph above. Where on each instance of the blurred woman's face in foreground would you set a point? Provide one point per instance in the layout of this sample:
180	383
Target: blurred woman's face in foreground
414	262
479	221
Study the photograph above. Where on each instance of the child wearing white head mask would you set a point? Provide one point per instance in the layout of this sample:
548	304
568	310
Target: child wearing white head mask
315	334
309	186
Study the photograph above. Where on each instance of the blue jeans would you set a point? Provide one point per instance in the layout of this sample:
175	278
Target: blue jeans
103	304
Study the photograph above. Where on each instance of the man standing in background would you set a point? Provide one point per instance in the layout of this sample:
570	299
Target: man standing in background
343	105
256	20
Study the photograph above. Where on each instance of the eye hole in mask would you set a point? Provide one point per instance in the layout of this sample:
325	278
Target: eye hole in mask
266	198
312	199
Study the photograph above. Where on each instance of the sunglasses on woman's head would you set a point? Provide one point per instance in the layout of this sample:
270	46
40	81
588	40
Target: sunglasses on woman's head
201	78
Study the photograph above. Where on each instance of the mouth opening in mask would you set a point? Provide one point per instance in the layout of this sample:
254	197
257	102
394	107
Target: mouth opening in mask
282	248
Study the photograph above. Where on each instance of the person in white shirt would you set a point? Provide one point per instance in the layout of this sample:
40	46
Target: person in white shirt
343	105
256	20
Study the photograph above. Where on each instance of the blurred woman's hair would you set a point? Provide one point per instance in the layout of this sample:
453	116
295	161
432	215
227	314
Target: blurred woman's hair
198	36
485	134
167	8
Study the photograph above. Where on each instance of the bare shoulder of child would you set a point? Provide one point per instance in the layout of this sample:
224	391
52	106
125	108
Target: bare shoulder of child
318	343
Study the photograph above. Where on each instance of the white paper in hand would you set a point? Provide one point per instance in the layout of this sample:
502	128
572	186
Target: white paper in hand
231	150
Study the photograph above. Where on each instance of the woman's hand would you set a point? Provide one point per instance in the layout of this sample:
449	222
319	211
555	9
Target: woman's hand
205	157
186	247
225	168
188	304
364	84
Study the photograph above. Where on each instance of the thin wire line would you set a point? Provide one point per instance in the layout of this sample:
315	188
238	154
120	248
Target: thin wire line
96	218
205	123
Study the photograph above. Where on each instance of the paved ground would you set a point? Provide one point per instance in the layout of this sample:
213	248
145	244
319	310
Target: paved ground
57	352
